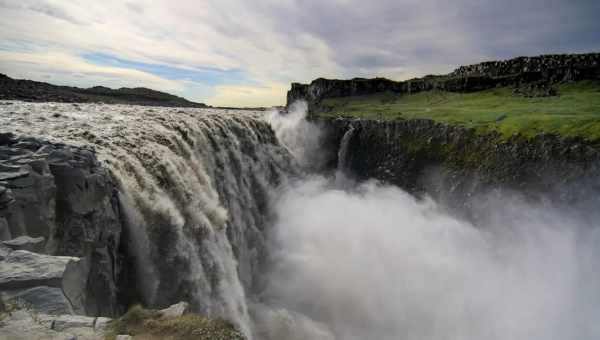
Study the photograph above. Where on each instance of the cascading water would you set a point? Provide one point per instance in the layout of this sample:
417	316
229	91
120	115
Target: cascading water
195	188
343	150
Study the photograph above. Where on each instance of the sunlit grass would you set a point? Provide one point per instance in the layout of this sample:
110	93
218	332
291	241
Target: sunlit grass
146	324
574	112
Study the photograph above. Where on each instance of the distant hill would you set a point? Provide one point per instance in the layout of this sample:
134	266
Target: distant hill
34	91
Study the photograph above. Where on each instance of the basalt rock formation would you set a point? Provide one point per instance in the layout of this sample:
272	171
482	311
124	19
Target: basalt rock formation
454	163
543	71
59	201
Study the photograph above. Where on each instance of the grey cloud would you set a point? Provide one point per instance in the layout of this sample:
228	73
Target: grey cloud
413	34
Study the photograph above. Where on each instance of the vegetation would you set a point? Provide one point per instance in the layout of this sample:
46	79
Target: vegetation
575	111
145	324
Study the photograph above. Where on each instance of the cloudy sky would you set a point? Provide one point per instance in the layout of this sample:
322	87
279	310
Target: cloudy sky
246	52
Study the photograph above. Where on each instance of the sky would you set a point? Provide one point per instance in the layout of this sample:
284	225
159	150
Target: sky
246	53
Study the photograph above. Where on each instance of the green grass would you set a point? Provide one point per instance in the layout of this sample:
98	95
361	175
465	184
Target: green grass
144	324
574	112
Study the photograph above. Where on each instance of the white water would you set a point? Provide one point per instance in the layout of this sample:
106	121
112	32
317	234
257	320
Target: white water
343	151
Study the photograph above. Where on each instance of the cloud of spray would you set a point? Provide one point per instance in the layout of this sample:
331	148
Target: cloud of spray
369	261
301	137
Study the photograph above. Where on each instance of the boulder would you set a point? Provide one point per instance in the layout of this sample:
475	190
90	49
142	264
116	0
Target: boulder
33	244
175	310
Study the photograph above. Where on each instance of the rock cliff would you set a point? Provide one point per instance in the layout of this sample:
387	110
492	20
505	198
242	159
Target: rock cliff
454	163
59	201
546	70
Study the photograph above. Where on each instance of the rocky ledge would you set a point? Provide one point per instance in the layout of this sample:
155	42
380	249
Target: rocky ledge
60	228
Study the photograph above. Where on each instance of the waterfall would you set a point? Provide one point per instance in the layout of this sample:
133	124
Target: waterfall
343	151
195	186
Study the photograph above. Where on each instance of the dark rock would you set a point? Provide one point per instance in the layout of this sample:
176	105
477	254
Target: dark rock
7	176
43	299
452	163
63	194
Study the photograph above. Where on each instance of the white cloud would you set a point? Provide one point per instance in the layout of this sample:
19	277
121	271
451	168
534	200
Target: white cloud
64	67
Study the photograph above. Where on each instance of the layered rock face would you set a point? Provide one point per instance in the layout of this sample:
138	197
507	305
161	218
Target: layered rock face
546	70
454	163
57	200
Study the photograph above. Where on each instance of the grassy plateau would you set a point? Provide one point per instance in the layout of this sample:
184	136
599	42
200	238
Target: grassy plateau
575	111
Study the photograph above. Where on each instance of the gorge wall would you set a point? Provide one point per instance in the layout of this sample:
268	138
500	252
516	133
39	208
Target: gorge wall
453	163
546	69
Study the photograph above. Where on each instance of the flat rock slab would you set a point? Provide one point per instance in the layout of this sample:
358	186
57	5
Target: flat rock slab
33	244
23	269
43	299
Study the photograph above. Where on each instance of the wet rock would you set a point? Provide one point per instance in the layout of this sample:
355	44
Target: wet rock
33	244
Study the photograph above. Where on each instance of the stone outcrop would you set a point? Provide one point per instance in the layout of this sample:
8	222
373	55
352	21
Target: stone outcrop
542	70
59	200
423	156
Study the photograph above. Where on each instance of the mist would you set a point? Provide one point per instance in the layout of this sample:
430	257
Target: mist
369	261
